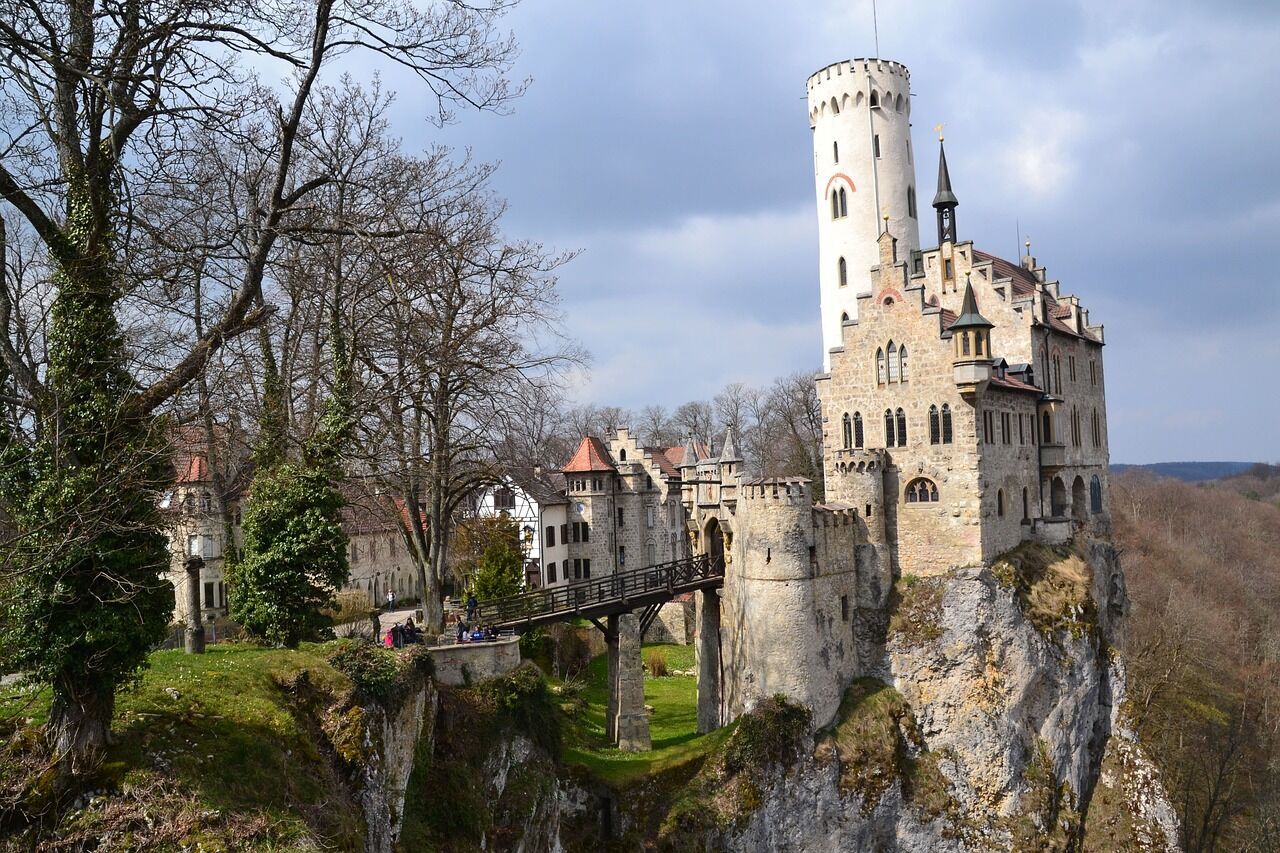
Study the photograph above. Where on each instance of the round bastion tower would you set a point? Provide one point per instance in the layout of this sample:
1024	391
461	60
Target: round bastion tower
863	169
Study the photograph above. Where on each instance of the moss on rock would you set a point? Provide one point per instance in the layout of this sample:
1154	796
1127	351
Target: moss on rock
1052	584
915	608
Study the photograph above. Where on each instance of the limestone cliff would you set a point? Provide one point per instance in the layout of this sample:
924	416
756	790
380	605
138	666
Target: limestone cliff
991	723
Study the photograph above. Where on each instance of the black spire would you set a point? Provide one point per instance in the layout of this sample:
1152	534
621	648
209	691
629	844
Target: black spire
945	202
970	318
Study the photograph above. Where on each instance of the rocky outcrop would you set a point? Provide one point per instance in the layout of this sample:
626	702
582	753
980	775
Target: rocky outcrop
393	741
1001	702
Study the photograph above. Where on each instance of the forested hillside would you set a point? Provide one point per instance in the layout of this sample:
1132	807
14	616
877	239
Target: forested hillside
1203	650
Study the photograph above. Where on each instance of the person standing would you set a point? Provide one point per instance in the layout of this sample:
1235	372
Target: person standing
472	606
391	600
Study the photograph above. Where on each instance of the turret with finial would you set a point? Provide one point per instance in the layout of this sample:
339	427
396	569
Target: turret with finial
945	201
971	338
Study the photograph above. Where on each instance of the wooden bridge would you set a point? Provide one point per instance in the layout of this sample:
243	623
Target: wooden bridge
625	592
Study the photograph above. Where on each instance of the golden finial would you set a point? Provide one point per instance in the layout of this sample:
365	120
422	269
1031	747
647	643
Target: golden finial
937	128
884	214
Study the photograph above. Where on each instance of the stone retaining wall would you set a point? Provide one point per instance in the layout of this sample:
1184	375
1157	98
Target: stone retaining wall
462	663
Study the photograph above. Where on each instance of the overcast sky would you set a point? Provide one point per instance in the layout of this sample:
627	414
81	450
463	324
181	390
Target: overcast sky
1136	143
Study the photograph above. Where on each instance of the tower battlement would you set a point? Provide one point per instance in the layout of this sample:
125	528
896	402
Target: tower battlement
793	491
850	67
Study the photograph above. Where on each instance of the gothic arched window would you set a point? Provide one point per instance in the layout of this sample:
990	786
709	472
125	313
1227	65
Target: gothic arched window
893	362
888	428
935	428
835	151
1046	430
902	361
842	269
1000	503
1057	374
835	205
946	423
902	428
875	99
847	431
857	429
1095	495
844	203
922	490
880	366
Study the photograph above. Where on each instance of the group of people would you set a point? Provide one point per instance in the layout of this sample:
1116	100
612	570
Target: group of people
398	636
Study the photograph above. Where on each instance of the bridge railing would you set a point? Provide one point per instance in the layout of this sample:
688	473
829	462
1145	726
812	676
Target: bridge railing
667	577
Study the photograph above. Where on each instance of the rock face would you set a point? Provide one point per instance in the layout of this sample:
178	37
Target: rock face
391	744
1009	676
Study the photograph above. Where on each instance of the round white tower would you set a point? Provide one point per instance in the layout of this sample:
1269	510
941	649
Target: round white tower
863	168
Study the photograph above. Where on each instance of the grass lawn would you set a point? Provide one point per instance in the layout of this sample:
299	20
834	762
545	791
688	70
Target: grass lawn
673	725
220	725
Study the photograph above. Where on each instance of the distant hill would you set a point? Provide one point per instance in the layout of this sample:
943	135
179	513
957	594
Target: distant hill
1191	472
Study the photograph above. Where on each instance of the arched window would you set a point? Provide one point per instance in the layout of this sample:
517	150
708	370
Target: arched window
835	151
844	316
902	428
1095	495
875	99
842	268
902	362
844	203
1046	429
897	103
964	343
880	366
835	205
835	107
893	362
888	428
622	455
1097	430
921	490
946	423
857	429
847	431
1057	374
911	201
935	427
1000	503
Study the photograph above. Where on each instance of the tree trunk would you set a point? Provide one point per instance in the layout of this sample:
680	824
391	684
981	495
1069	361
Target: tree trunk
195	627
79	726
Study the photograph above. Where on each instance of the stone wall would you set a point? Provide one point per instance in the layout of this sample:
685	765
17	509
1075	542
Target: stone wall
466	663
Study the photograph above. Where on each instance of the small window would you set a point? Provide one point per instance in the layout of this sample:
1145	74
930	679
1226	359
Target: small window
889	440
842	272
947	269
857	429
586	569
935	426
921	490
844	608
1026	515
844	203
894	366
564	534
1095	495
622	555
946	423
577	569
835	151
1000	503
902	362
844	316
880	373
835	205
551	572
1093	372
550	536
902	428
868	511
846	431
875	99
622	455
208	595
911	202
622	519
875	145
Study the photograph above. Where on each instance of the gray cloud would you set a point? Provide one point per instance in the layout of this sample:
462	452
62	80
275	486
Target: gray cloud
1135	142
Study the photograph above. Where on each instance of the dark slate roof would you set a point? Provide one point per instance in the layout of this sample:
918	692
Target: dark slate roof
945	197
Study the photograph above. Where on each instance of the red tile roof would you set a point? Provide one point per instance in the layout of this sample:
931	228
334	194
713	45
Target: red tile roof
1011	384
948	318
663	461
193	469
1024	281
591	456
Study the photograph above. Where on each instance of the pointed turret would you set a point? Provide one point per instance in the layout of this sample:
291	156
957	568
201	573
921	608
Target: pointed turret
945	201
690	459
971	336
729	453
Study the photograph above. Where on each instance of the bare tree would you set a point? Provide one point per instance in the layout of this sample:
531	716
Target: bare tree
103	106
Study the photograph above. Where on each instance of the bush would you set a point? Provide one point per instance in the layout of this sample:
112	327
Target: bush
350	607
656	660
379	674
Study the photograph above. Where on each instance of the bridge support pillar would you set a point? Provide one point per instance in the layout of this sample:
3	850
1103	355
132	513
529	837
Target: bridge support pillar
626	686
708	658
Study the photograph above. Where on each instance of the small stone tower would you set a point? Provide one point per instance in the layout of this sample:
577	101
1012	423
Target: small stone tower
863	169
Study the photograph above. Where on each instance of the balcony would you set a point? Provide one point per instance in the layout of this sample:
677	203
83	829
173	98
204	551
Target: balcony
1053	456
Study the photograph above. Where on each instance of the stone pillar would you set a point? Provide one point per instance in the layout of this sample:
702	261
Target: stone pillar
194	639
632	725
707	652
611	713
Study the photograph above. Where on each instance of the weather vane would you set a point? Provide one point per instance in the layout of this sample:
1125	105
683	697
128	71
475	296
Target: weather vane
937	128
